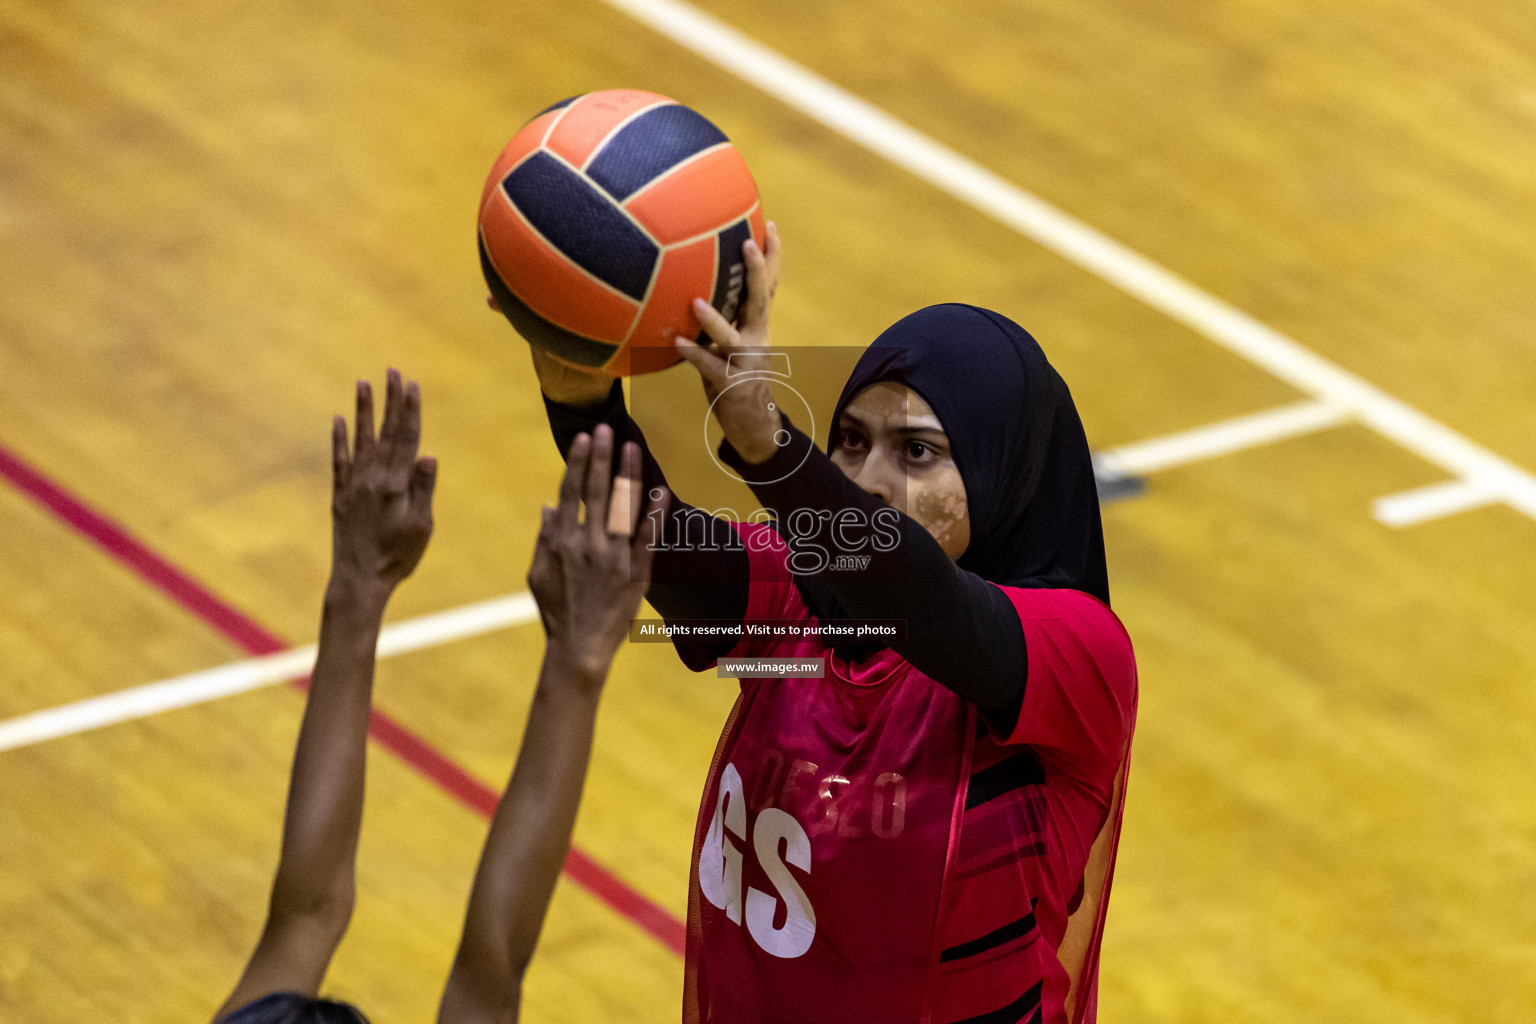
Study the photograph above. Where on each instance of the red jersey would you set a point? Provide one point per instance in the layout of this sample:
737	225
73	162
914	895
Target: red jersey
867	851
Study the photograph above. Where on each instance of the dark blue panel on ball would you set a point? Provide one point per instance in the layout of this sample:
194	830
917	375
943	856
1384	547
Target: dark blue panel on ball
730	270
649	145
538	331
580	221
556	106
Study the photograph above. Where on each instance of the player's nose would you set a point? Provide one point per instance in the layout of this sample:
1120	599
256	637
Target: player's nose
875	476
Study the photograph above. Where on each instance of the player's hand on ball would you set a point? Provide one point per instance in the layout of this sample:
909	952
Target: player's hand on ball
746	411
562	383
381	505
568	385
588	577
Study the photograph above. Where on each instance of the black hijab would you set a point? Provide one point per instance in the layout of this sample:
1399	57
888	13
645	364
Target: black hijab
1016	438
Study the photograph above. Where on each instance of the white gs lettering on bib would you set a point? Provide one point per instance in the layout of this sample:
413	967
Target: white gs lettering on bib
720	870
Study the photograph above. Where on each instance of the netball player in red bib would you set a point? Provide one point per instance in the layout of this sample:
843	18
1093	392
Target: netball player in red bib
925	832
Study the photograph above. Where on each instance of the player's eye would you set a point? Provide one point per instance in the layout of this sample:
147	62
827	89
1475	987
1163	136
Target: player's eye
849	439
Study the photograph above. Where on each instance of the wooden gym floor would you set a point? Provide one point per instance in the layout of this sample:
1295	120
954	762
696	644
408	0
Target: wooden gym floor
213	217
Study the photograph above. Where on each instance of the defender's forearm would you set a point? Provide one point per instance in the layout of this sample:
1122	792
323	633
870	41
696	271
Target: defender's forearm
325	797
529	837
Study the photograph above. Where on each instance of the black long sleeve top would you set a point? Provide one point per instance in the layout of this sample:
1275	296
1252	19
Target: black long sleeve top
962	631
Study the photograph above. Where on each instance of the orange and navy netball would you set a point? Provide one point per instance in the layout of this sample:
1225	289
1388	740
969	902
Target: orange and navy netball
605	217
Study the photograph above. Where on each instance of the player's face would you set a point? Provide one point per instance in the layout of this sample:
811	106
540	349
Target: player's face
890	443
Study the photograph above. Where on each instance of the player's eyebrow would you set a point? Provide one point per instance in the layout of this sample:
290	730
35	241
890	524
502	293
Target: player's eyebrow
921	425
928	425
852	419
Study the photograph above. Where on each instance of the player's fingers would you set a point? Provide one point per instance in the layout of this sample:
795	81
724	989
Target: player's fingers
717	329
774	250
364	416
341	463
595	491
568	511
760	275
710	366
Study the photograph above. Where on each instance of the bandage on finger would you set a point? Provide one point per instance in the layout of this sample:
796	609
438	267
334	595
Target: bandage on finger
621	506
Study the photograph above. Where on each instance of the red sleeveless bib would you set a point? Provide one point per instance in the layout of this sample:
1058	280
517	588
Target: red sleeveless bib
829	840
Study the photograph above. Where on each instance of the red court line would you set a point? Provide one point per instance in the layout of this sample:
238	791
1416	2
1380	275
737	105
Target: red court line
254	638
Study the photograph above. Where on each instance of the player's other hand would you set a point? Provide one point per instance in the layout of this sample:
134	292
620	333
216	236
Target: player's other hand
561	382
746	409
587	578
381	503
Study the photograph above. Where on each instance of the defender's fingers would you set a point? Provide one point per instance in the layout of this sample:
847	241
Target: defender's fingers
423	481
624	499
542	554
341	462
629	461
622	507
389	428
568	512
595	489
364	416
648	536
408	428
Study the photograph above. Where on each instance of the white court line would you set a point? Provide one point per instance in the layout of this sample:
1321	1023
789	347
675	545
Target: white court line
1433	502
199	687
1075	241
1217	439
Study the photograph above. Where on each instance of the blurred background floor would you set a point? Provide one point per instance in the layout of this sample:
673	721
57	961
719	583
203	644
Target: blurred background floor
214	217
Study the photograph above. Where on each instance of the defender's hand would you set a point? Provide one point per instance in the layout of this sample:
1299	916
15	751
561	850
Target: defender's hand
381	504
587	580
746	411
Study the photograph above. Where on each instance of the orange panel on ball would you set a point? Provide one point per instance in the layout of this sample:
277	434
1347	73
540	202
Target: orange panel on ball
642	359
593	118
687	273
524	142
703	195
550	284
